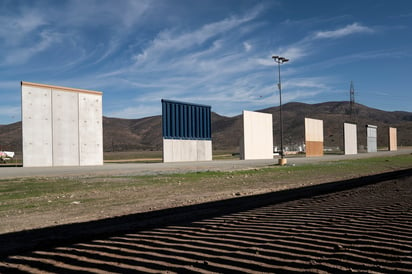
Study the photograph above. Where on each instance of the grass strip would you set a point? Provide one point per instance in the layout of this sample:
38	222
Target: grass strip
35	202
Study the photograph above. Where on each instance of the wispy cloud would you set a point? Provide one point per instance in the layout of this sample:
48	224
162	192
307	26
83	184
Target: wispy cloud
247	46
138	52
354	28
21	55
172	41
16	28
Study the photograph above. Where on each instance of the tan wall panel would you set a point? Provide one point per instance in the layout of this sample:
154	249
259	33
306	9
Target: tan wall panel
393	142
314	148
313	137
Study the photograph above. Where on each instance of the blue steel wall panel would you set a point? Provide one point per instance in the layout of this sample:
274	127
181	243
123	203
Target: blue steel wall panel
186	121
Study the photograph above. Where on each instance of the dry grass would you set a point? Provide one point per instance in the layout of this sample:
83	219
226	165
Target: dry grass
39	202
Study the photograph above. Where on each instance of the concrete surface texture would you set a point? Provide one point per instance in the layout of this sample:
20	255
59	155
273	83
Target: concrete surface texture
37	127
177	150
350	138
90	129
61	126
393	142
65	128
313	137
257	142
371	135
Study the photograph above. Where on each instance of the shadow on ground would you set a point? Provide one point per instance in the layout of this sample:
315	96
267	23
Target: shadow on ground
352	225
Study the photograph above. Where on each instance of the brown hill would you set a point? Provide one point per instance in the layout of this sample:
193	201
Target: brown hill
146	133
334	114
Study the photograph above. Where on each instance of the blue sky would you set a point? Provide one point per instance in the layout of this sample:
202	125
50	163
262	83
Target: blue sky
208	52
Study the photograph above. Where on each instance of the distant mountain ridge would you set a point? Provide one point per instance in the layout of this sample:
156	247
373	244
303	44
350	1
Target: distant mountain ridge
146	133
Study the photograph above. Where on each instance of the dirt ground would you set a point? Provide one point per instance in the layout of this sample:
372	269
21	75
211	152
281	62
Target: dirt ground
365	229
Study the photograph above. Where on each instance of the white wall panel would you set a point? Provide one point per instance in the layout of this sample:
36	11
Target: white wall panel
37	126
350	138
177	150
313	130
90	129
372	143
257	140
61	126
65	128
204	150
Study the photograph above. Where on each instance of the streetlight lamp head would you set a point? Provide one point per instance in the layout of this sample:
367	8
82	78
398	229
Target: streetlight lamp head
279	59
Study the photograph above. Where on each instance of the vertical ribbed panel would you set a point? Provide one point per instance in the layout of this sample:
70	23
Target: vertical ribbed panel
186	121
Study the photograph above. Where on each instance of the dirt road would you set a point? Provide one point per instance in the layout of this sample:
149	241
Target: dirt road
363	229
130	169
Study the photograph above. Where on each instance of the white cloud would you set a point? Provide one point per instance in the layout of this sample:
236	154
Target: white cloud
22	54
345	31
14	29
247	46
136	111
171	41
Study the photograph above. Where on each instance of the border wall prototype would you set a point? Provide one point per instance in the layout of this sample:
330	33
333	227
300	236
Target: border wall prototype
350	138
187	134
393	139
371	135
257	141
61	126
313	137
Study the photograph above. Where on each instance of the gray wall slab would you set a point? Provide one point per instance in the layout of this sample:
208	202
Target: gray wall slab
65	128
37	126
90	129
177	150
350	138
61	126
372	143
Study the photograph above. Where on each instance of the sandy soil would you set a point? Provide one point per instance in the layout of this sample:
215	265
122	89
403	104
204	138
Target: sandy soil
365	229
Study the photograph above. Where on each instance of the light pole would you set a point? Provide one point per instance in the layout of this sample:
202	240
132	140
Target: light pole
280	60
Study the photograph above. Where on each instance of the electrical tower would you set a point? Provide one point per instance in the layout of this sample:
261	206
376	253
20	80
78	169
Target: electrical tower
352	101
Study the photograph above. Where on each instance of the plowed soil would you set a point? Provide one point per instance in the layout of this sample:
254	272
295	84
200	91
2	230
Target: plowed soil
365	229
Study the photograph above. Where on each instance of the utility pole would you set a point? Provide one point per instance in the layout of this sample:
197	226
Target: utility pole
280	60
352	102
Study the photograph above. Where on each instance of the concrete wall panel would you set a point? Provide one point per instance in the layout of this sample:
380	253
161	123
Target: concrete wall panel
90	129
52	133
371	132
313	130
313	137
177	150
350	138
393	139
204	150
37	126
257	142
65	128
